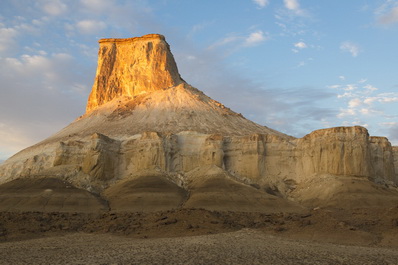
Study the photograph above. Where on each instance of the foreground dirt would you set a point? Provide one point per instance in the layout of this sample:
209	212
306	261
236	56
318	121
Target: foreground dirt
246	246
197	236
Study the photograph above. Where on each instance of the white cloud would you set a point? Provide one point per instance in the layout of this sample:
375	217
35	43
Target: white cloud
90	26
261	3
350	47
300	45
256	38
342	77
53	7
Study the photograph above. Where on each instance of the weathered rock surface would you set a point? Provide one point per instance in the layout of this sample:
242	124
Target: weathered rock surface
130	67
149	141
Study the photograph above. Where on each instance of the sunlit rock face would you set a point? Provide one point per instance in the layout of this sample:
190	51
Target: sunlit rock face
130	67
148	134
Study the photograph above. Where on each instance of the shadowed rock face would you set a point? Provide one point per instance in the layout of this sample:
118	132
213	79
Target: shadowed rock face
149	141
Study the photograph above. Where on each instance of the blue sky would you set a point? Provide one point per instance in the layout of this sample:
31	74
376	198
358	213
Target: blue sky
292	65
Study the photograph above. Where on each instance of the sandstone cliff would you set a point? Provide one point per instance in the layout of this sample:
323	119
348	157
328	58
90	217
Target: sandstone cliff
150	141
130	67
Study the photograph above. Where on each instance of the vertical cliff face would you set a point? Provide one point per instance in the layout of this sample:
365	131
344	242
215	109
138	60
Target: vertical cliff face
338	151
130	67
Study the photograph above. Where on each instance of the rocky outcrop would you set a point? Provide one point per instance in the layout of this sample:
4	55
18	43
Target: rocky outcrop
130	67
338	151
150	141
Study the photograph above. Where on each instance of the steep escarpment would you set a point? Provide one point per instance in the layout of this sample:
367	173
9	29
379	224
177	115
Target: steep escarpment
150	141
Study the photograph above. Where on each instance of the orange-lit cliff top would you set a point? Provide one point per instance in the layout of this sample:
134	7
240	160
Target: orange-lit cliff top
145	37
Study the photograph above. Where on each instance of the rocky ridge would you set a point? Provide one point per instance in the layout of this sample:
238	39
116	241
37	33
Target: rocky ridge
149	141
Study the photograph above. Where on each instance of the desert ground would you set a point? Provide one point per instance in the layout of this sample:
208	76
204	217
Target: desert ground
246	246
198	236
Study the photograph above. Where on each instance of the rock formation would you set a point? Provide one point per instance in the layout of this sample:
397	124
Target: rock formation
149	141
130	67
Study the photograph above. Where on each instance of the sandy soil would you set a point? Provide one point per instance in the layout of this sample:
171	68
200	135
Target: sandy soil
246	246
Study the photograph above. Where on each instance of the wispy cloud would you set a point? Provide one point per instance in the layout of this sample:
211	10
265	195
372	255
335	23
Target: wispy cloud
261	3
52	85
292	110
292	19
89	26
238	41
387	13
390	18
361	102
225	41
97	6
350	47
353	103
53	7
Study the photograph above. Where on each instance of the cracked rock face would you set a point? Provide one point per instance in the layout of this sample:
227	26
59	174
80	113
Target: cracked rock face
149	141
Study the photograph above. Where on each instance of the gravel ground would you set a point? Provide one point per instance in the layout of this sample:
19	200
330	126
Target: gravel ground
247	246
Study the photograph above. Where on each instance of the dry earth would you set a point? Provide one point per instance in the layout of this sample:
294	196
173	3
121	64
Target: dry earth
246	246
197	236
